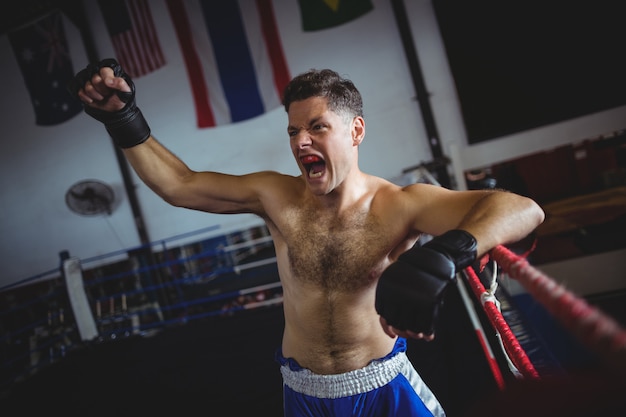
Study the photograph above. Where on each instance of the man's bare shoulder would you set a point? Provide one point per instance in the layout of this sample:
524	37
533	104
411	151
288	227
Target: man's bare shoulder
274	179
421	187
274	174
418	206
277	188
389	189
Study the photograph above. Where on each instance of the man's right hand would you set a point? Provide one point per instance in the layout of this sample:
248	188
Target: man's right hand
108	95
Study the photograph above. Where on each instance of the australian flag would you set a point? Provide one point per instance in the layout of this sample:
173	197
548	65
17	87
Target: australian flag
43	56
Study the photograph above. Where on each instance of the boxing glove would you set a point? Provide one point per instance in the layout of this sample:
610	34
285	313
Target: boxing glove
410	292
127	126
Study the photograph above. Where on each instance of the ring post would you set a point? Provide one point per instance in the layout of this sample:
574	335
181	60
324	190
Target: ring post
73	276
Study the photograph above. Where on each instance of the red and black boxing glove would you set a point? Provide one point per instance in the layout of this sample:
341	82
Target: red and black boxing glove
127	126
410	292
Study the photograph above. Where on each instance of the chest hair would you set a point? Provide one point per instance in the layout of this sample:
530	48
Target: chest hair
343	253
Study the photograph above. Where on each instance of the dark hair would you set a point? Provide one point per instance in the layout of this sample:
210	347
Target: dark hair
340	92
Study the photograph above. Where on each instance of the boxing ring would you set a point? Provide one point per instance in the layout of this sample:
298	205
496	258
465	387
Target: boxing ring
147	293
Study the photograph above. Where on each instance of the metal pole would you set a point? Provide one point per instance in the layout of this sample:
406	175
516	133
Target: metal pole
422	94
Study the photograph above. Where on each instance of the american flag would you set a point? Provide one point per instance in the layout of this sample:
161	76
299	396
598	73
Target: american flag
134	35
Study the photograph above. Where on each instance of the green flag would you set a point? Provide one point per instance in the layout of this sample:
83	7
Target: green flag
323	14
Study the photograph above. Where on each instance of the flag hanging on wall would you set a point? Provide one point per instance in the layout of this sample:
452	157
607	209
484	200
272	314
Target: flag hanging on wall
324	14
133	34
43	56
233	56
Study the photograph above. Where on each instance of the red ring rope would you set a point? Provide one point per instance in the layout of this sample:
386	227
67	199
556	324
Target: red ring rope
596	330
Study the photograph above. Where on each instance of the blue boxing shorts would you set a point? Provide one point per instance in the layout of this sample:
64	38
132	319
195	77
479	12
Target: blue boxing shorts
389	386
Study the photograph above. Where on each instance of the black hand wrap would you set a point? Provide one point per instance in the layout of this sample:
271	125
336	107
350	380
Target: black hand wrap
127	126
410	291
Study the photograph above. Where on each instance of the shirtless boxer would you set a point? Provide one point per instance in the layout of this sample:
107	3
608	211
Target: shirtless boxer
355	284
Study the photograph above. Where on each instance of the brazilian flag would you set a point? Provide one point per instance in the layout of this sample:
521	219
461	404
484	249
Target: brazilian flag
323	14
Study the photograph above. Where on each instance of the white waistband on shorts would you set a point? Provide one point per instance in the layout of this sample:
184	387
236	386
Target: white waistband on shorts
372	376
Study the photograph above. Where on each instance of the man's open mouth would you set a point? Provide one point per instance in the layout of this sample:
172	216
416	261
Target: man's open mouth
314	165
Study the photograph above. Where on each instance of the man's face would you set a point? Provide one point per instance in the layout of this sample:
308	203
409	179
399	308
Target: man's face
323	143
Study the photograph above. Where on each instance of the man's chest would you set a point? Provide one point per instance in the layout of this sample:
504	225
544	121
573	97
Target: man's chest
344	252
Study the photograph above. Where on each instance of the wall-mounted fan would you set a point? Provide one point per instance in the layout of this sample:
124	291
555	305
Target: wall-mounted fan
90	198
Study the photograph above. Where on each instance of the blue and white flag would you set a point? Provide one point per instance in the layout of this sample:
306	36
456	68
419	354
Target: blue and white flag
42	52
233	56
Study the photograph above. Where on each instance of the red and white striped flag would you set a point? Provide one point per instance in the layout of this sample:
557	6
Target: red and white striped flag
233	56
133	34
